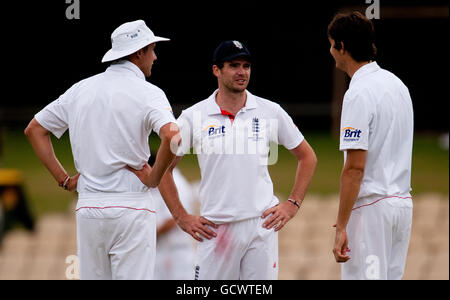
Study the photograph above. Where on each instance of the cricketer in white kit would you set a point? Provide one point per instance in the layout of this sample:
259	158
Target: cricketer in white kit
375	214
110	117
230	133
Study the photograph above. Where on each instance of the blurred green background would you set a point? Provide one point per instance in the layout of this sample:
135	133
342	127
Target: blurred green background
430	171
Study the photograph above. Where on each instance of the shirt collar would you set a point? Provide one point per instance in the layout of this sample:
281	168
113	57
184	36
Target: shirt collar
214	109
364	70
127	66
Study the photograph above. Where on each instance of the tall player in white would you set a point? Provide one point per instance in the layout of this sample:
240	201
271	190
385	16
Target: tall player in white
375	213
110	117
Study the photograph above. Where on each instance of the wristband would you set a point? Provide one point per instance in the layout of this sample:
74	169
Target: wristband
294	202
62	182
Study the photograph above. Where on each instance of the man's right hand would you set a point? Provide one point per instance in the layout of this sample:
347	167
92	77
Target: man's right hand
73	182
144	175
197	226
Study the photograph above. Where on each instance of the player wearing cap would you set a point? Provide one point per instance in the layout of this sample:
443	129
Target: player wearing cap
375	211
231	133
110	117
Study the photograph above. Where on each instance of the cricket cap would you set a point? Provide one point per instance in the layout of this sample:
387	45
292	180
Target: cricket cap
229	50
129	38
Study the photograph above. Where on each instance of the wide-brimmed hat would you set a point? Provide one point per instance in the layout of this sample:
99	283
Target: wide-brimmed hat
129	38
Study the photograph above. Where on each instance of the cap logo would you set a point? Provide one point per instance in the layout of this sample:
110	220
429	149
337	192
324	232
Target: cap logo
238	44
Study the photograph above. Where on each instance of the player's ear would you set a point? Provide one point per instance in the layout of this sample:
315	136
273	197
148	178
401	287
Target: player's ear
342	50
215	70
139	53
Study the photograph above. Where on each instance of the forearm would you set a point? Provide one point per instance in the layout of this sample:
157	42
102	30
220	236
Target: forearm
304	174
307	162
281	214
350	185
170	140
42	146
169	192
164	158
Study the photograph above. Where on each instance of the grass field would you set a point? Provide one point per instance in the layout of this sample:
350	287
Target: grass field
430	168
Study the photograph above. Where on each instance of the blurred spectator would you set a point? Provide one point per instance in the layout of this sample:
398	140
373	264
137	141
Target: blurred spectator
13	204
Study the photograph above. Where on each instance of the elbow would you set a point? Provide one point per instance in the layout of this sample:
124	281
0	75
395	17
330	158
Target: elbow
314	159
173	139
307	158
355	172
29	130
26	132
34	130
170	133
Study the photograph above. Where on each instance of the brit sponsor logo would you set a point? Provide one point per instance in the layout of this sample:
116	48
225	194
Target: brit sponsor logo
255	135
351	134
215	130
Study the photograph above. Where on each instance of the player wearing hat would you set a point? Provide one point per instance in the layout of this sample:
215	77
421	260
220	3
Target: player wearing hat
375	211
110	117
231	133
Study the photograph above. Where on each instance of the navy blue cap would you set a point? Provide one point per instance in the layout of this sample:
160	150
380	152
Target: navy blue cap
229	50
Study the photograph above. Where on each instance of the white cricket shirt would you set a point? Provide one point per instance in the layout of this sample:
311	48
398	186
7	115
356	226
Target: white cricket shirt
233	157
377	116
110	117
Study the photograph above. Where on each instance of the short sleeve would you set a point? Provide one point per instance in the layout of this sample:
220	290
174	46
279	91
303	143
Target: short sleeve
55	116
355	121
159	113
288	133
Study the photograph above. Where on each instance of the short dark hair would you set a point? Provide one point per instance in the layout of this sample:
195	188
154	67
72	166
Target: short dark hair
356	32
221	64
145	49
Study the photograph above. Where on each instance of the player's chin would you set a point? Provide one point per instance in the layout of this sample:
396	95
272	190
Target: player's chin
240	87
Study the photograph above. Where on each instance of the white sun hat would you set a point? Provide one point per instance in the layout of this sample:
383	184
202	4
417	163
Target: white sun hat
129	38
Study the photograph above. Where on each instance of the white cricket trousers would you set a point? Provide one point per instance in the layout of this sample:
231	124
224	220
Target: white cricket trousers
116	236
378	232
242	250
